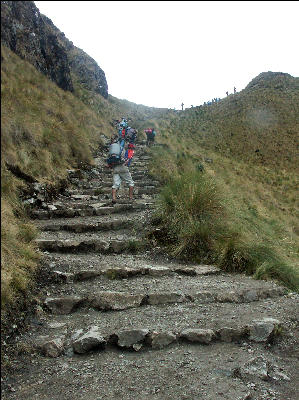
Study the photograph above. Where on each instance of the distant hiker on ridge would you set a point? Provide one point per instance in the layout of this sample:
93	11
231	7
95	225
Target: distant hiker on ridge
235	90
182	106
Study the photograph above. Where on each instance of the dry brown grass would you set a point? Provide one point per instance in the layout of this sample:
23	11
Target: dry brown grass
44	131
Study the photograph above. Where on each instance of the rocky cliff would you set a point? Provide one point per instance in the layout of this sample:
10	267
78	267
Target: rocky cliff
35	38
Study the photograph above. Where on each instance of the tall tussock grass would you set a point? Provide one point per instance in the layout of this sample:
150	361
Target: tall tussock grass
191	208
259	260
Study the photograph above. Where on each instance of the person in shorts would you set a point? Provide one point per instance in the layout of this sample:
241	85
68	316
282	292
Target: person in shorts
121	170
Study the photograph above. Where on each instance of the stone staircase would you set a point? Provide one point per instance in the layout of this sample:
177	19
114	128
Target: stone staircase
120	320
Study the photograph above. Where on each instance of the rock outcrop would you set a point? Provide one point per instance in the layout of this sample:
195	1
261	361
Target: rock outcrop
85	68
34	37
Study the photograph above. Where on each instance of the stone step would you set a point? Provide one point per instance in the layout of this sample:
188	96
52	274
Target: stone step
124	272
106	189
137	264
90	338
89	243
179	322
131	220
144	157
88	210
92	182
126	308
108	183
137	190
133	170
116	300
84	201
90	225
139	164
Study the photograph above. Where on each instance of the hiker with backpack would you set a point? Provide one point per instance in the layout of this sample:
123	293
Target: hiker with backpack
131	135
124	123
126	135
120	166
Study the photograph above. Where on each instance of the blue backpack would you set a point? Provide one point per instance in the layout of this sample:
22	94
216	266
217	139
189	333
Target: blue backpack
114	158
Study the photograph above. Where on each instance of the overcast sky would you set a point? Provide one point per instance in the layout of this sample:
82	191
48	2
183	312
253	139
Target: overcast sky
163	53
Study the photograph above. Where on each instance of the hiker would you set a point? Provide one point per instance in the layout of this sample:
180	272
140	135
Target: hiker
122	131
131	135
150	136
120	166
226	93
124	123
182	106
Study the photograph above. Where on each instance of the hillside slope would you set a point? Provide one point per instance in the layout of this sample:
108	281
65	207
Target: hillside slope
44	131
257	125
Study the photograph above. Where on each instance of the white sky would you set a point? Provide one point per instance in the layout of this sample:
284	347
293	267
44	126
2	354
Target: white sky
163	53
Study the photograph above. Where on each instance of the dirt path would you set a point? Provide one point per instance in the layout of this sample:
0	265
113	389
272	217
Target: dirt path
119	320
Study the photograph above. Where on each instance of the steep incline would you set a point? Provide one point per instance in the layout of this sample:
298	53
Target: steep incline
122	320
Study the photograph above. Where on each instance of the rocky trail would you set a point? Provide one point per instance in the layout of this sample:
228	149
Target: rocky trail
121	320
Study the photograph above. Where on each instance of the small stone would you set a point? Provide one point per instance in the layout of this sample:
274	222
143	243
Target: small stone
56	325
116	301
198	335
62	276
164	298
231	334
89	341
63	305
130	337
50	347
137	346
158	340
51	207
263	330
255	368
229	297
158	271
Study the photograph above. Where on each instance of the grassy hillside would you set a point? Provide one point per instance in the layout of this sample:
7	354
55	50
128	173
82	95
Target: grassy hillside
246	144
44	131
